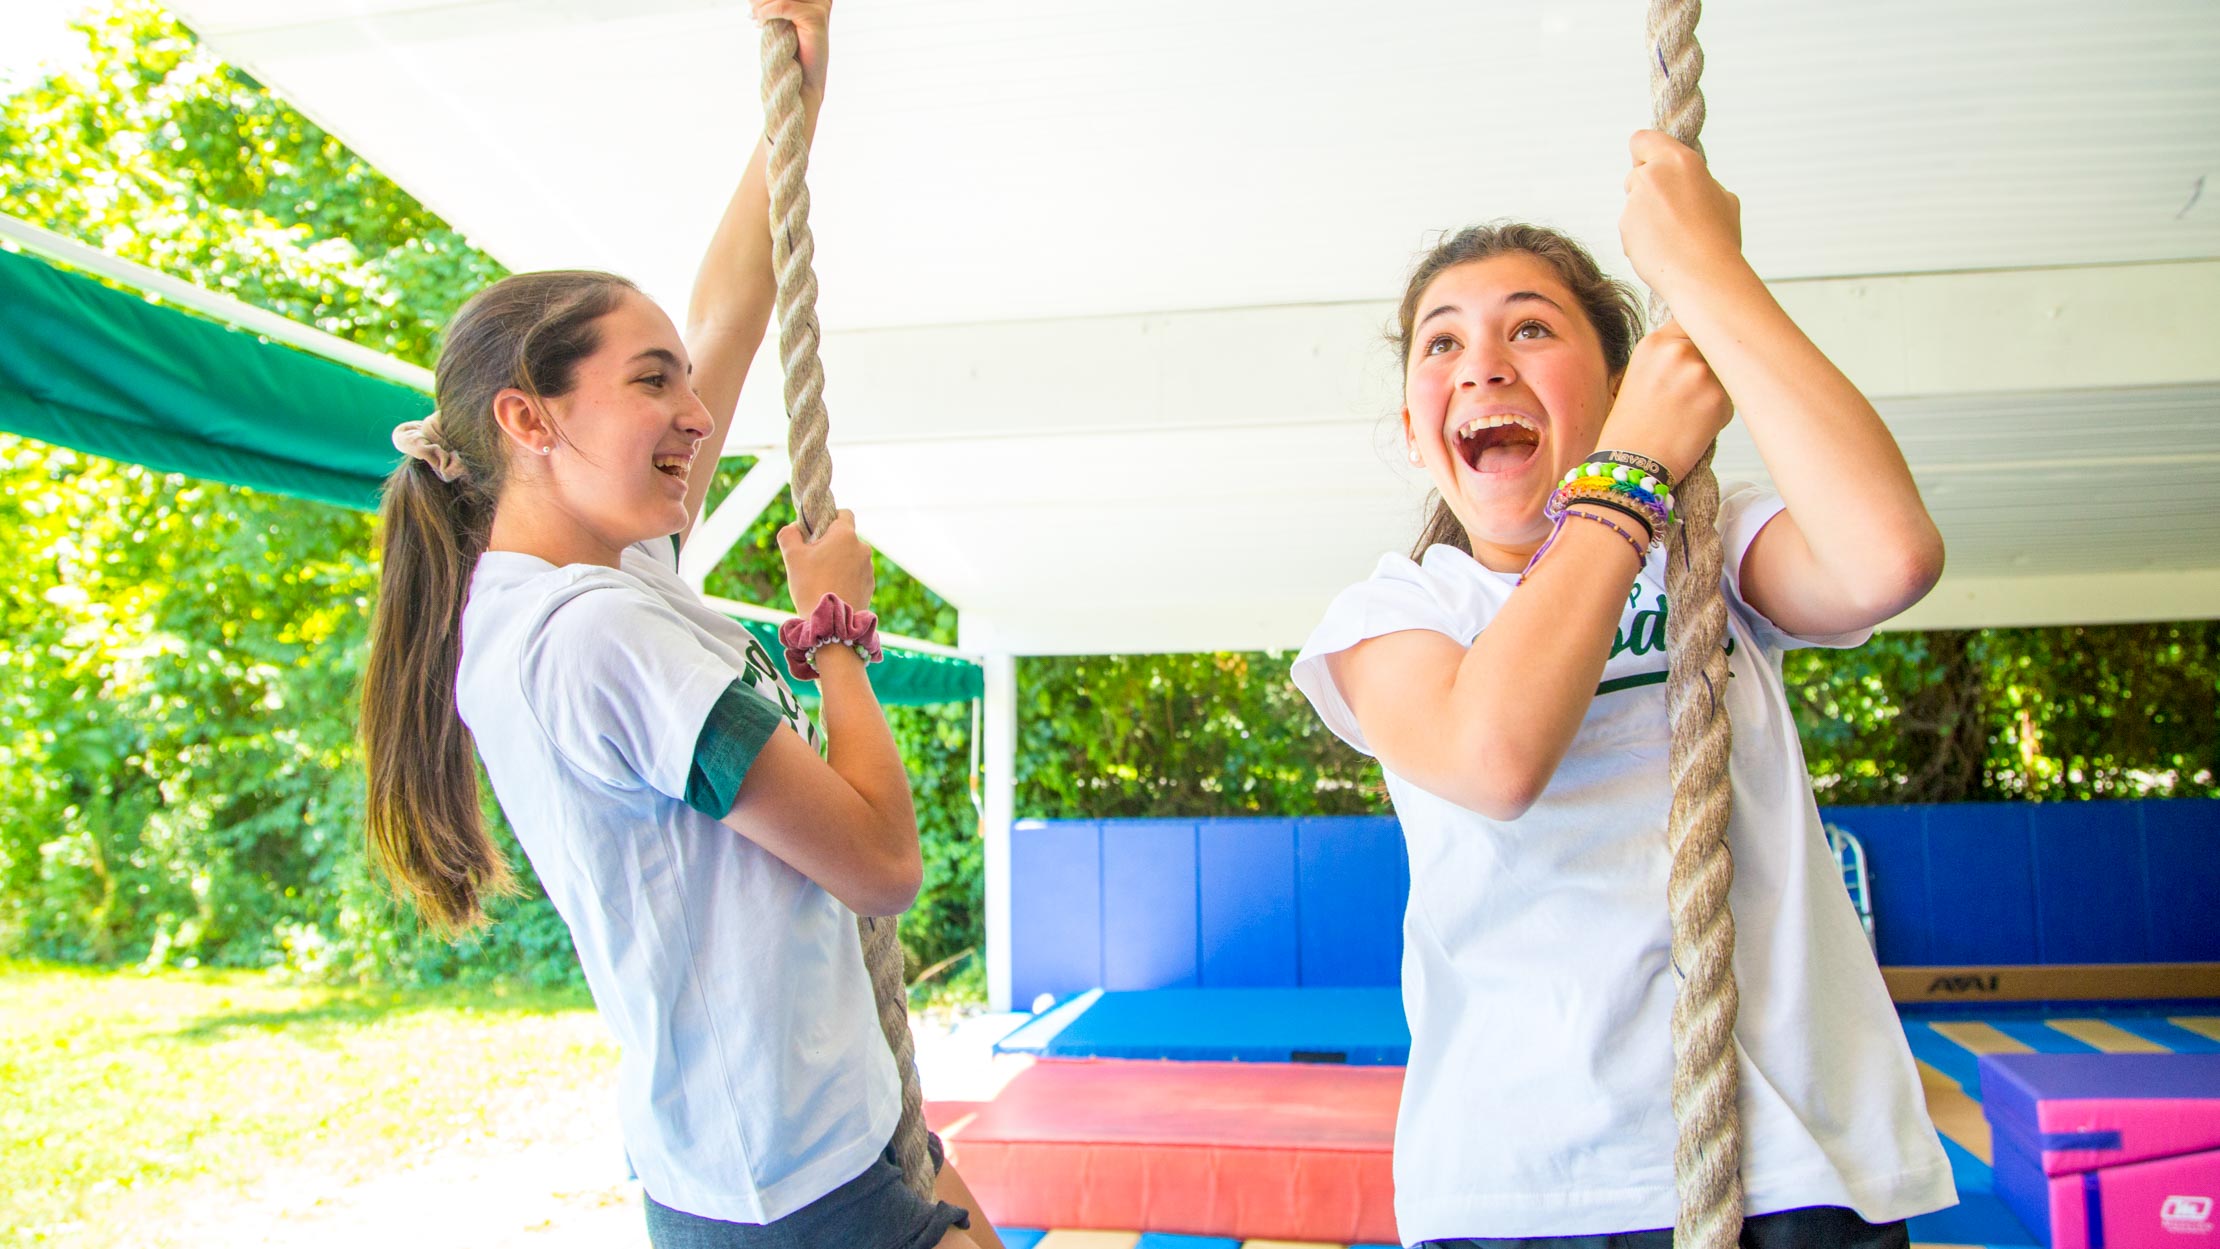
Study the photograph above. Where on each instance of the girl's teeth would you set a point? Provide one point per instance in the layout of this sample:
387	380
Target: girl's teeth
1478	423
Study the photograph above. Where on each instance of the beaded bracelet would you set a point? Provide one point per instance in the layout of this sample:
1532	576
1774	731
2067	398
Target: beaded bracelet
1603	488
1641	554
1650	518
1634	460
1620	476
1617	479
1602	491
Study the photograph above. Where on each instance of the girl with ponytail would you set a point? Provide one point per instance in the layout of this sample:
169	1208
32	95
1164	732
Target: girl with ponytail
707	845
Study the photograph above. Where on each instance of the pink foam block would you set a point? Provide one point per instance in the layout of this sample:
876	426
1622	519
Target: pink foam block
2165	1203
2078	1112
1246	1150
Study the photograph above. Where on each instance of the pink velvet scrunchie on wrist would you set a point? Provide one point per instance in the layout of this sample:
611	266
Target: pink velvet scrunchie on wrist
832	623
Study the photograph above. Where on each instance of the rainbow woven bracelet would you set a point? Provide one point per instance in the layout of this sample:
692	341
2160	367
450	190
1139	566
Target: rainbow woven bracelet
1619	479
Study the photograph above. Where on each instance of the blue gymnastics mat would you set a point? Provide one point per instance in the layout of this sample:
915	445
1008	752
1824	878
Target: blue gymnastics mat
1362	1027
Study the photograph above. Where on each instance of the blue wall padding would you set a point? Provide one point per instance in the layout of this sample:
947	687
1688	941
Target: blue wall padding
1895	841
1279	903
1149	904
2067	882
1055	909
1980	886
2182	842
1247	887
1351	882
2085	916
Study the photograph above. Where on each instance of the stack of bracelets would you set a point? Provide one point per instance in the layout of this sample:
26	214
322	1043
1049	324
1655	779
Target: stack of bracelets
1634	486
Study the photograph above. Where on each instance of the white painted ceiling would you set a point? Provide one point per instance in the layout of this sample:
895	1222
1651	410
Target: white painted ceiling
1104	284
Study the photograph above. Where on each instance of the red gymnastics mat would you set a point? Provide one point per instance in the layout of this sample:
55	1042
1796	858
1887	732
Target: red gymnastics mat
1247	1150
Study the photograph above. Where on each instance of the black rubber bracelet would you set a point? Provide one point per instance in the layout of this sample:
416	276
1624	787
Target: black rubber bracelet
1630	459
1649	526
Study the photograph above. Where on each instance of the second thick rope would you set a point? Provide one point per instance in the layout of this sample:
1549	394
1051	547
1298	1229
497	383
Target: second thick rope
793	253
1707	1157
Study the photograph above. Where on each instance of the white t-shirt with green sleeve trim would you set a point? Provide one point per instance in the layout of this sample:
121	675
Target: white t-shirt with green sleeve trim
753	1078
1537	973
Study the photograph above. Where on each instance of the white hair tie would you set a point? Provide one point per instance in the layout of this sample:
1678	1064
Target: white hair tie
420	440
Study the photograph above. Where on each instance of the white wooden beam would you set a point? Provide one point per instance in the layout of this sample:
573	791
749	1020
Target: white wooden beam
2084	599
1922	335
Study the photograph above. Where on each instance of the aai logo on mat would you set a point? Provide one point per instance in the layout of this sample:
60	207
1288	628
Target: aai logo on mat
2187	1214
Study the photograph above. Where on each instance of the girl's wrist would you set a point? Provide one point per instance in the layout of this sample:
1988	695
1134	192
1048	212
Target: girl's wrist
832	624
1706	282
1658	441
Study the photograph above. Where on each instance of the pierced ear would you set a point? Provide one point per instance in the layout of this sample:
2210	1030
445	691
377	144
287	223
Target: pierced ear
1410	442
523	421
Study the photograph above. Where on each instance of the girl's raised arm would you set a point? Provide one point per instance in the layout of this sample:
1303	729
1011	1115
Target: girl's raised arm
1856	545
734	289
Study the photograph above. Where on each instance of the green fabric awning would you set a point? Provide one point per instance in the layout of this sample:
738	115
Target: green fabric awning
86	366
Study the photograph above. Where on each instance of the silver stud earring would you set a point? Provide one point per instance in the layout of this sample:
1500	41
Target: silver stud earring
549	449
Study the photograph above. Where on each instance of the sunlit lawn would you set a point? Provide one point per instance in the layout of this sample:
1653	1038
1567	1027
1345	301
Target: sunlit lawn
130	1097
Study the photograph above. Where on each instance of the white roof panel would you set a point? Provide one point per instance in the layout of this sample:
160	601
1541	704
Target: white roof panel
1104	282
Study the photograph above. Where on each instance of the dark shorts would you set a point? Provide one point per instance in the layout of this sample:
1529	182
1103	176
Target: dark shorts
872	1211
1809	1228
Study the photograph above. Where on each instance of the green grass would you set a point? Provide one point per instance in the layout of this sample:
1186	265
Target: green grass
130	1096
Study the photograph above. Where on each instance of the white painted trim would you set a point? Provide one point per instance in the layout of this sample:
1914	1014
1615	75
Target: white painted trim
270	325
892	641
2095	328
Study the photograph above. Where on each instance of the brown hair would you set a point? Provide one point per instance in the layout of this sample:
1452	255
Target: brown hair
1611	306
425	832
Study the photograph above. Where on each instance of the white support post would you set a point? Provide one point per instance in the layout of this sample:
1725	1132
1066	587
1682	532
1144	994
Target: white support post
999	800
715	536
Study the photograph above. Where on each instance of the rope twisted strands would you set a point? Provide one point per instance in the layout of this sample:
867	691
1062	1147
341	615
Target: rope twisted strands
882	954
793	256
1707	1158
792	252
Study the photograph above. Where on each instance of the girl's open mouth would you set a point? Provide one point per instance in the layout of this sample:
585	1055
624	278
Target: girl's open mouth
1498	443
673	465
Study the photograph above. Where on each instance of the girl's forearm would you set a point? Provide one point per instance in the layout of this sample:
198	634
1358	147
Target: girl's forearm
1528	680
1835	464
734	288
861	747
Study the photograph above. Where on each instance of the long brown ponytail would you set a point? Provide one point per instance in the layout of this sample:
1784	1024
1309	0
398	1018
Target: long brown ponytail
1612	307
425	831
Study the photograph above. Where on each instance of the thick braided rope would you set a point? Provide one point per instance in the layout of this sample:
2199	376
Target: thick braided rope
792	253
1707	1159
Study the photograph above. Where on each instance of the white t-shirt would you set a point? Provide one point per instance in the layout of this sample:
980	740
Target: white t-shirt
1536	969
754	1078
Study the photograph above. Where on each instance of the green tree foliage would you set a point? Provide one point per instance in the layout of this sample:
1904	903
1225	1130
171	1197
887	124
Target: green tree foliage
2122	711
1114	736
176	758
178	776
